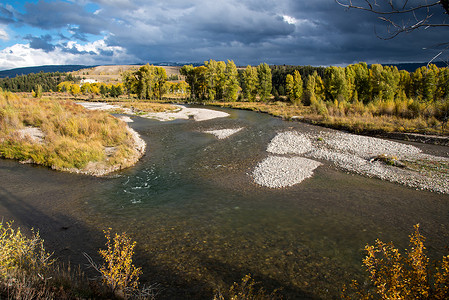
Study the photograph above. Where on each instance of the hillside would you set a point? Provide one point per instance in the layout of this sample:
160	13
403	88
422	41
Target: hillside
112	74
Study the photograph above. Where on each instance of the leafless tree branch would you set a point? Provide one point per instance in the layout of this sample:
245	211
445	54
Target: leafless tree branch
419	16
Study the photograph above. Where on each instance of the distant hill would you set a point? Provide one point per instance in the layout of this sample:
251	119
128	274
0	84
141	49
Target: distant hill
46	69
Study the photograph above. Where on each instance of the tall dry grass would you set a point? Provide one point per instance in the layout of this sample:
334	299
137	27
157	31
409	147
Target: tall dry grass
381	116
73	136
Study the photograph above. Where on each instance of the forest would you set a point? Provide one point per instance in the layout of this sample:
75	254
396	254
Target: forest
27	83
357	90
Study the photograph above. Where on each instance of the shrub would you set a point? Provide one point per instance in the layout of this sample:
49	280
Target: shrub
396	276
118	272
24	263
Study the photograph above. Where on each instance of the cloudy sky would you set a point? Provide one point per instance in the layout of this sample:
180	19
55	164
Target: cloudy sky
300	32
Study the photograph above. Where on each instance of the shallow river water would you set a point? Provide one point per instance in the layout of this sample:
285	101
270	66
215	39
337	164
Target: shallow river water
201	223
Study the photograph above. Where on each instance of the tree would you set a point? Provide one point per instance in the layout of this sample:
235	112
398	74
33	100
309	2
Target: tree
414	14
231	87
187	72
309	93
361	82
250	83
265	85
75	89
159	82
37	93
147	82
294	87
335	83
215	77
85	88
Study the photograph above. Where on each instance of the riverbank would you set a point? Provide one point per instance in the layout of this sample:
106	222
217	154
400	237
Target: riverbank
157	111
65	136
384	126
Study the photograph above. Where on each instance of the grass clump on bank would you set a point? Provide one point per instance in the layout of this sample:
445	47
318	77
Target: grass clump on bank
68	136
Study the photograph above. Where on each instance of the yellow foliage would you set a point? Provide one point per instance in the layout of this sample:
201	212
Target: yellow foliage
73	136
394	276
118	271
20	255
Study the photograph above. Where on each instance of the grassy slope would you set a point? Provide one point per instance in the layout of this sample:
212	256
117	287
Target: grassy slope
74	137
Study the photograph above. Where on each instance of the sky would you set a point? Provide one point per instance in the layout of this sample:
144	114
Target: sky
295	32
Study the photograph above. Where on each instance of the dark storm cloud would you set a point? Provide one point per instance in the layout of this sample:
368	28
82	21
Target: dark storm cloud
6	16
58	15
345	36
318	32
106	53
237	23
42	42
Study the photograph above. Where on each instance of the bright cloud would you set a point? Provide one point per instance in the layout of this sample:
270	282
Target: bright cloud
3	34
290	20
97	52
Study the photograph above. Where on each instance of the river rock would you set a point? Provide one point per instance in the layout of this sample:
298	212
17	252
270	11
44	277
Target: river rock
279	172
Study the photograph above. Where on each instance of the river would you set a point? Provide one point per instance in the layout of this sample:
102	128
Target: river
201	223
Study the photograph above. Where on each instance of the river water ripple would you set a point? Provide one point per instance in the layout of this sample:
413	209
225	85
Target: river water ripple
201	223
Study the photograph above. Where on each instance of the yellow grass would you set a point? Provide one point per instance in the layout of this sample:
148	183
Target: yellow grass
73	136
141	106
354	117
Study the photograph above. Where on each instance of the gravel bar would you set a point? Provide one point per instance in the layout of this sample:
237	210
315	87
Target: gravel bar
223	133
279	172
352	153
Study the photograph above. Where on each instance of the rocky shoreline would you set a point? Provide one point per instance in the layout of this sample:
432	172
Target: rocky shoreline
368	156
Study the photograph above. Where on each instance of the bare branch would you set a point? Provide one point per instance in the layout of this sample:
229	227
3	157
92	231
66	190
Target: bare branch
393	10
418	16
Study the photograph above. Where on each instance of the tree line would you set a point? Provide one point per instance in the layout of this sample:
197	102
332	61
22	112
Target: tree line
27	83
96	88
219	80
